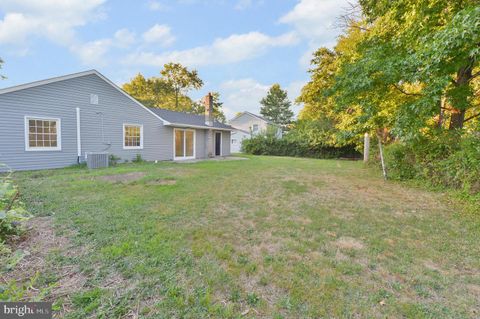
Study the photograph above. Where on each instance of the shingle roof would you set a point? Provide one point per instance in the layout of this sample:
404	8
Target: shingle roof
187	119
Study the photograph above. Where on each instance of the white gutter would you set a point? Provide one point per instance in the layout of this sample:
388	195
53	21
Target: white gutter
201	127
79	139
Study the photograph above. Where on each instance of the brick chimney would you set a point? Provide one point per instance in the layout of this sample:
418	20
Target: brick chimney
208	101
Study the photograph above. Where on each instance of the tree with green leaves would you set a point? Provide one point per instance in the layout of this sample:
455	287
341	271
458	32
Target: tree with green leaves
427	52
155	92
276	106
180	79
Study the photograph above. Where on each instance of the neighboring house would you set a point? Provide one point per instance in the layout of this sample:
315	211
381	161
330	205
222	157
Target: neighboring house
246	125
237	138
53	123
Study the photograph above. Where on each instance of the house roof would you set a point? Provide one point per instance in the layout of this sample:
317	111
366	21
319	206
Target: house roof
181	119
240	130
73	76
169	118
253	115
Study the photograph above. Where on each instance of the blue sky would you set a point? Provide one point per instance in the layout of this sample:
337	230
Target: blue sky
239	47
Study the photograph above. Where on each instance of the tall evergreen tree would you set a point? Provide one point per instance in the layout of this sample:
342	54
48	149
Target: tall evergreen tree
276	106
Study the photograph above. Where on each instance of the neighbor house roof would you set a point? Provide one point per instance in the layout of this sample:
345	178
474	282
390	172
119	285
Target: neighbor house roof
181	119
253	115
240	130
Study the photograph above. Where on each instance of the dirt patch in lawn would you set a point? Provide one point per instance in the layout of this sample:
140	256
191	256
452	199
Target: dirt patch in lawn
349	243
122	178
161	181
35	245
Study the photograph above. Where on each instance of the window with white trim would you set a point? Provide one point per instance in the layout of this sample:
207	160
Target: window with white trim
132	136
255	127
42	134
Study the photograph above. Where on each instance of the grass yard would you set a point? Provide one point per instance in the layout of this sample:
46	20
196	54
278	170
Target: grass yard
260	238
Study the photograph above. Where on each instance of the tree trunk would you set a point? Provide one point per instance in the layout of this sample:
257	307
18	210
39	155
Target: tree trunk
441	106
464	75
456	120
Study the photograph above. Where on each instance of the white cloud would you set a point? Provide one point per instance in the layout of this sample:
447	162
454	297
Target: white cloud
159	34
316	21
93	53
14	28
235	48
53	19
124	38
242	95
56	21
157	6
245	4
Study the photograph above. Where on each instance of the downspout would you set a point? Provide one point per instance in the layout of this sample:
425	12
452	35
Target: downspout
79	139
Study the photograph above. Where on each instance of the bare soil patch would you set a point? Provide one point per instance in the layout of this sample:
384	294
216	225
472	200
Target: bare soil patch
162	181
349	243
122	178
36	244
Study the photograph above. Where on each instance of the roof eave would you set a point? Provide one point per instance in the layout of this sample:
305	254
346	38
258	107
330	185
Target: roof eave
77	75
199	126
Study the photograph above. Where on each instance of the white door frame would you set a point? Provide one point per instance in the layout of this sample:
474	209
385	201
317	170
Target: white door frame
184	157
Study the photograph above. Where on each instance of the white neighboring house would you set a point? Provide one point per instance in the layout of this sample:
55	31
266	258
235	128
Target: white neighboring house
246	125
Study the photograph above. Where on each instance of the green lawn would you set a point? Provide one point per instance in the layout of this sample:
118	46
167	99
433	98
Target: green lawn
260	238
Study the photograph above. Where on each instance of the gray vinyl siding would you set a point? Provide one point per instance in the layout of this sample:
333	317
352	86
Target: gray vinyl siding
60	100
226	137
200	141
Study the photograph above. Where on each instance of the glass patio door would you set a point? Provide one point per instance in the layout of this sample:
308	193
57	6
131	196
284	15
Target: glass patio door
184	144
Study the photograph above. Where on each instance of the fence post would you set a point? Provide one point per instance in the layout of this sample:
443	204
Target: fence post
366	148
384	168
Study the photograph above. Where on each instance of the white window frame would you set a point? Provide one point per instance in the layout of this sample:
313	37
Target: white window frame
141	137
184	157
28	148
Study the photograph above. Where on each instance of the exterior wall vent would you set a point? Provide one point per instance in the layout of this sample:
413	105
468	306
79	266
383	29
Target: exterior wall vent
97	159
94	99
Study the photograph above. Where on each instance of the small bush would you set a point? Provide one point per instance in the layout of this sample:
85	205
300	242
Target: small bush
138	159
113	160
12	210
444	160
268	144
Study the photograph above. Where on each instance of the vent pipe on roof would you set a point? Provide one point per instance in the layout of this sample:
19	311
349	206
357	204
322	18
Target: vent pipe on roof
208	101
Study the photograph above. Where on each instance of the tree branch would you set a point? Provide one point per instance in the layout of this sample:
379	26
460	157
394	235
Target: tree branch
474	75
471	117
404	92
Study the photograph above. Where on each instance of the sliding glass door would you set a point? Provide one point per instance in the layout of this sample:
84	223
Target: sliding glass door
184	144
